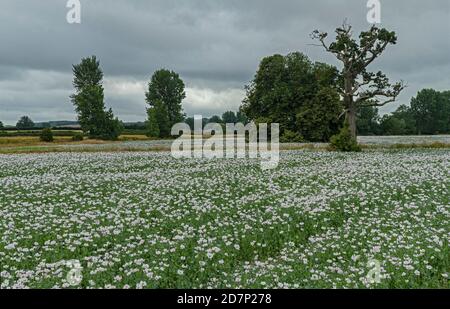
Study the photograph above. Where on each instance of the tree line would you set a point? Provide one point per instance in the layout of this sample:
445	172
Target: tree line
312	101
164	95
428	113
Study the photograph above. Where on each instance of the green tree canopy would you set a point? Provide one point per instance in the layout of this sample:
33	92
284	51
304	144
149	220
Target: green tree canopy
405	114
25	122
318	119
215	119
241	117
299	95
152	123
87	73
89	101
89	104
368	121
167	88
229	117
392	125
431	111
162	116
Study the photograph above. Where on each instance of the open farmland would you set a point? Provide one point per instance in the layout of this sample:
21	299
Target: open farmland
142	143
146	220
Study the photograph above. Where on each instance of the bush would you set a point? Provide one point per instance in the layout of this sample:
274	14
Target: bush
113	130
46	135
344	141
108	129
78	137
291	137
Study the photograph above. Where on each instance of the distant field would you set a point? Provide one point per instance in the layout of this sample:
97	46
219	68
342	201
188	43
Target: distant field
390	140
36	133
146	220
61	132
28	144
19	141
11	143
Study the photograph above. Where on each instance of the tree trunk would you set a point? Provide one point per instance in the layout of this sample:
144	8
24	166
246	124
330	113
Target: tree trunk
351	118
349	102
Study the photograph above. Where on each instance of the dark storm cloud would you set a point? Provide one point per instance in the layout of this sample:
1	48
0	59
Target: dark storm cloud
214	44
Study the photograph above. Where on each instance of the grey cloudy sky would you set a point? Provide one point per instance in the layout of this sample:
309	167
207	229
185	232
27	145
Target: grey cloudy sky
215	45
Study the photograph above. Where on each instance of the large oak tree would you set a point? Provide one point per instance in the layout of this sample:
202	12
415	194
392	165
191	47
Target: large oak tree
357	86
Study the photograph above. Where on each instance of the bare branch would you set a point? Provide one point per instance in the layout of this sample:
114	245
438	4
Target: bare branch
360	85
378	104
391	93
321	36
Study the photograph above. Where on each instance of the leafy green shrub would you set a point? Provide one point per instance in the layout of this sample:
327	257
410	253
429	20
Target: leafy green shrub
343	141
291	137
78	137
46	135
112	130
109	128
